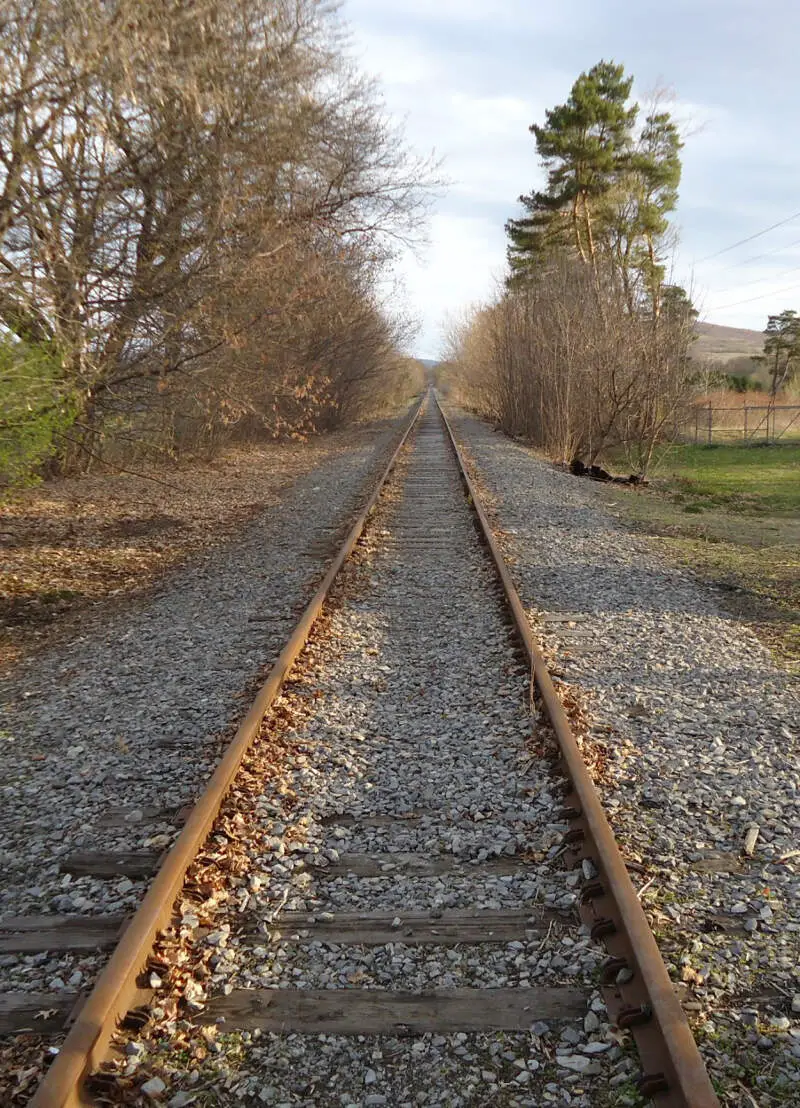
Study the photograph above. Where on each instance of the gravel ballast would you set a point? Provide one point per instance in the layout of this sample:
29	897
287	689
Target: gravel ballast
696	729
404	731
106	736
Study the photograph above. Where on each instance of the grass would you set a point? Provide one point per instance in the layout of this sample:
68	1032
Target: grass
757	480
732	513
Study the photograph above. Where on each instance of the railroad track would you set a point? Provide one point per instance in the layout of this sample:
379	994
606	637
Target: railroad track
409	934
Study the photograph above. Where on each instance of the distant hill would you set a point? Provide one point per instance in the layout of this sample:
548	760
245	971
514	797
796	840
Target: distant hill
723	344
714	343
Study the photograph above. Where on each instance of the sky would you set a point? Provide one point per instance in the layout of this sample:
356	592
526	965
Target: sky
468	77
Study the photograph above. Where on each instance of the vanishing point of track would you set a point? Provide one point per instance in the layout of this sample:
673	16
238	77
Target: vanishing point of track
638	993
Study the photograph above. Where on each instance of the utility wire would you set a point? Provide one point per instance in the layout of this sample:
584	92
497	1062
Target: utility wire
749	238
758	280
758	257
763	296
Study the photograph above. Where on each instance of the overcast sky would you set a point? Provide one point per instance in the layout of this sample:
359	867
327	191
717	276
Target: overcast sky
470	76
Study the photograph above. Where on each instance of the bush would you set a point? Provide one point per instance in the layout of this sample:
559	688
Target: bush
741	382
35	407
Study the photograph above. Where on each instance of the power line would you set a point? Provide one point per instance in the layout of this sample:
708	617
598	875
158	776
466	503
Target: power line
763	296
749	238
758	257
759	280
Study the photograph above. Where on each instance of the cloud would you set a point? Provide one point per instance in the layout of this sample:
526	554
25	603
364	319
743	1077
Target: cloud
469	77
463	267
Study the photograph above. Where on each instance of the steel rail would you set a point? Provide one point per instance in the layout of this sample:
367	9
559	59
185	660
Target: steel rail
639	993
117	989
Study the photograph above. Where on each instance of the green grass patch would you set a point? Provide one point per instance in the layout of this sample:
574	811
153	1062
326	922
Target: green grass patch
732	514
752	479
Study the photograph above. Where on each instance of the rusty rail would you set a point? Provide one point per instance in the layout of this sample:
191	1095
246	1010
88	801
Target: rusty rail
117	990
637	987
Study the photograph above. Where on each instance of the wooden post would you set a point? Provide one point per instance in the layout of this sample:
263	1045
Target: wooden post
696	425
745	423
710	423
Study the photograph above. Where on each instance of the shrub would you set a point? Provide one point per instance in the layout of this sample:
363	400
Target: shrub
35	408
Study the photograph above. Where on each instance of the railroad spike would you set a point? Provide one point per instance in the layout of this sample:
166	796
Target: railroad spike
601	927
569	813
649	1084
611	968
135	1019
561	789
592	890
634	1015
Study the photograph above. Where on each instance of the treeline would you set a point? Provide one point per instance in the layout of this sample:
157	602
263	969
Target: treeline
587	346
198	200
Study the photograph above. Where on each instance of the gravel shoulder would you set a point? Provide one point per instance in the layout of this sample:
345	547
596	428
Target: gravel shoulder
108	732
696	730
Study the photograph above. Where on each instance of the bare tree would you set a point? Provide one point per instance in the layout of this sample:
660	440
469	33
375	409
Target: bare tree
182	178
573	373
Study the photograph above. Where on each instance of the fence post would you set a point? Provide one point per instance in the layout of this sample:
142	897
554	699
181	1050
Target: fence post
745	423
710	423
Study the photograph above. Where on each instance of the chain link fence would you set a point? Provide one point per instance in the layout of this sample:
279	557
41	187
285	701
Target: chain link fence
744	423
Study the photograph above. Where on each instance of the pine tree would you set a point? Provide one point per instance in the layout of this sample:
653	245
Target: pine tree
781	349
585	145
610	190
635	212
676	304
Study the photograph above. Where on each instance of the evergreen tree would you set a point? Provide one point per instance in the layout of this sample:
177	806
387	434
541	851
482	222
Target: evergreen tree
782	349
585	146
609	191
651	188
676	304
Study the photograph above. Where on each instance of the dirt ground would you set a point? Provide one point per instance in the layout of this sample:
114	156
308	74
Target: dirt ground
79	541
